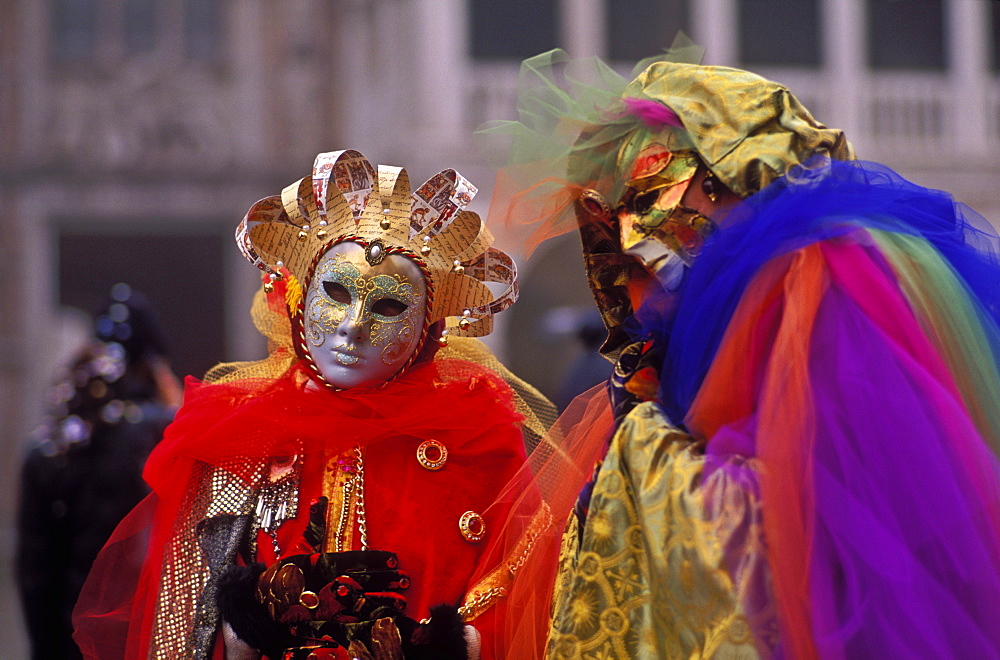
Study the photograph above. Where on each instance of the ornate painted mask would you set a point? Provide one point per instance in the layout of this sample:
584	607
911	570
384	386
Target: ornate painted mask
655	226
364	314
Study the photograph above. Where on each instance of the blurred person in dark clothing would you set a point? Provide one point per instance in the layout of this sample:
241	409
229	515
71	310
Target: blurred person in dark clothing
83	472
590	368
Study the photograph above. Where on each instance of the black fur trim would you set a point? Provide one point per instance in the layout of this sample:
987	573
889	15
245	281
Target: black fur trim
443	637
248	618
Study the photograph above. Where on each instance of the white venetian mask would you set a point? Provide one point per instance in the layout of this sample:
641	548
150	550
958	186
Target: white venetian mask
364	314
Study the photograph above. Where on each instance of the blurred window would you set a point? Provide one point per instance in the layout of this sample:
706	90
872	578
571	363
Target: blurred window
512	29
74	29
103	33
643	28
780	32
138	26
906	34
202	30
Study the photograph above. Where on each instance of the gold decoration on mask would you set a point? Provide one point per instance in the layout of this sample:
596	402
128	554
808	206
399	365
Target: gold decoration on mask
653	222
375	252
360	297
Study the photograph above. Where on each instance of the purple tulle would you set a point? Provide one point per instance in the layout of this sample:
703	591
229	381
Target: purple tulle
901	528
906	559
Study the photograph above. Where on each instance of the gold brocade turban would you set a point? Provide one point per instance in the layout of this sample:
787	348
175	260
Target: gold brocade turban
748	130
577	131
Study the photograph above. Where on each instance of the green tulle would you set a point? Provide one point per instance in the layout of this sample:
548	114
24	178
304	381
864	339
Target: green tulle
572	123
953	322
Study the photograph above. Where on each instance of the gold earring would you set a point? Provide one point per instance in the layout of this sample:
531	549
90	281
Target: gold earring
710	186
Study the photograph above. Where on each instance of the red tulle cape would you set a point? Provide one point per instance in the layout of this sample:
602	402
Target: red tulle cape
411	511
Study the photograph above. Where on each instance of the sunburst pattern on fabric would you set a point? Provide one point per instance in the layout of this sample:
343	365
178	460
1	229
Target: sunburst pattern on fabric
661	588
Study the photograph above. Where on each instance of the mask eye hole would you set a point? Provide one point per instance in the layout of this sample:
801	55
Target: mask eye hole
389	307
644	202
337	292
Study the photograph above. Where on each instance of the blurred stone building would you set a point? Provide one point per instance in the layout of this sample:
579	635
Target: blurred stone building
135	133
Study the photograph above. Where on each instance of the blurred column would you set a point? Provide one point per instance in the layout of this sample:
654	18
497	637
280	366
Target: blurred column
247	57
27	292
582	28
350	73
844	56
257	148
968	23
440	64
28	296
714	26
396	87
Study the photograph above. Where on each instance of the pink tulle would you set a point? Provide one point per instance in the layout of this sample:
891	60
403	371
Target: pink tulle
652	113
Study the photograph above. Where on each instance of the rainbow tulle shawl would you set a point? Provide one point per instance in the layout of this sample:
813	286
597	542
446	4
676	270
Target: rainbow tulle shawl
844	331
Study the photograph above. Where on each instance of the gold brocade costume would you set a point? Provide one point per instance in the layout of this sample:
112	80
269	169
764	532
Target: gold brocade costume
829	413
669	556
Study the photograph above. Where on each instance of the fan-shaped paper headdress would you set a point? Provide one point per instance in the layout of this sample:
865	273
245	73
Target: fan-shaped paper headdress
346	199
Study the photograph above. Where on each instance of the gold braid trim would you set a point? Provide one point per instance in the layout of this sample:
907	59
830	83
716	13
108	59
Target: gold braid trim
495	585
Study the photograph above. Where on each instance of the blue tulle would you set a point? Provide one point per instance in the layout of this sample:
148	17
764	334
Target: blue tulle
788	216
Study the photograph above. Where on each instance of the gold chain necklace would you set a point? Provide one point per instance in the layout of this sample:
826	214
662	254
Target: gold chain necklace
355	486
